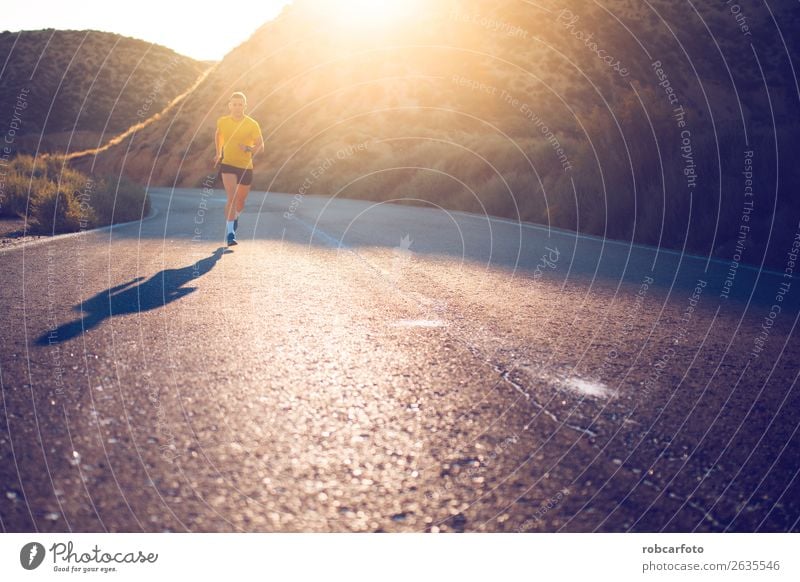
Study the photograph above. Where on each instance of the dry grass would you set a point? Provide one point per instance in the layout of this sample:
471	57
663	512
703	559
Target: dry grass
54	198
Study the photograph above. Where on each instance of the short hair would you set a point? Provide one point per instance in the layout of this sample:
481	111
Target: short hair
239	95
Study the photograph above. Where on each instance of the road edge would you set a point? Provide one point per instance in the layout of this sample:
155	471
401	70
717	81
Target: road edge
152	214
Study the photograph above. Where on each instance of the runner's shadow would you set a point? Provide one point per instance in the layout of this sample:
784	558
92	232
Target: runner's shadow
160	289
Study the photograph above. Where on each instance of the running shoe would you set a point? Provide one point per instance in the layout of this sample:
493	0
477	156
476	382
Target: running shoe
232	240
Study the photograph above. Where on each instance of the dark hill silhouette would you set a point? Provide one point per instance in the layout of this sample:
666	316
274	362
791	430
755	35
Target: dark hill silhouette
83	87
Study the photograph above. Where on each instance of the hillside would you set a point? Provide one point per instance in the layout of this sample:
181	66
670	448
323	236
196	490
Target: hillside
80	88
629	120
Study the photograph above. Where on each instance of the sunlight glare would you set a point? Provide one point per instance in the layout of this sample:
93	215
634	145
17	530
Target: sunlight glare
369	15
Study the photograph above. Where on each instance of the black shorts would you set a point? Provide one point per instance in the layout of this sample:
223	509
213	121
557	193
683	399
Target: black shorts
243	177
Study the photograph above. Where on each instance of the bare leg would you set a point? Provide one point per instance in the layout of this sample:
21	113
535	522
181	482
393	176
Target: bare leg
241	197
230	181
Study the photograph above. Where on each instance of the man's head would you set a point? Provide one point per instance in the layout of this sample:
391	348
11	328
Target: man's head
237	104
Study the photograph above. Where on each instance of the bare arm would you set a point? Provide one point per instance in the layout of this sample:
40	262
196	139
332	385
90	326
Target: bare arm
256	149
259	145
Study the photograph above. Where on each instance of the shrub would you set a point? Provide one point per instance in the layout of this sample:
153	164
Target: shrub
56	198
120	201
55	209
14	195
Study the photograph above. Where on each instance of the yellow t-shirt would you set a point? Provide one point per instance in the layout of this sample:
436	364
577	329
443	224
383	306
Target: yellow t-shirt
234	132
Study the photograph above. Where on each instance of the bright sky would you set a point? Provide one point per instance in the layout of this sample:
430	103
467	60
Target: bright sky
204	31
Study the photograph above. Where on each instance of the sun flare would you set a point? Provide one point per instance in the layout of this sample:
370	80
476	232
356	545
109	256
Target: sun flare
370	15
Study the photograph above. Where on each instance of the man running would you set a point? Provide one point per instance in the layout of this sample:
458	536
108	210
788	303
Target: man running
237	140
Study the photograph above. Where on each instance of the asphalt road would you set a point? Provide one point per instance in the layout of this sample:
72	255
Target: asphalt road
360	367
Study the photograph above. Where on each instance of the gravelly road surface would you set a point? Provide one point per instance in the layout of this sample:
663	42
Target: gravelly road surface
361	367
